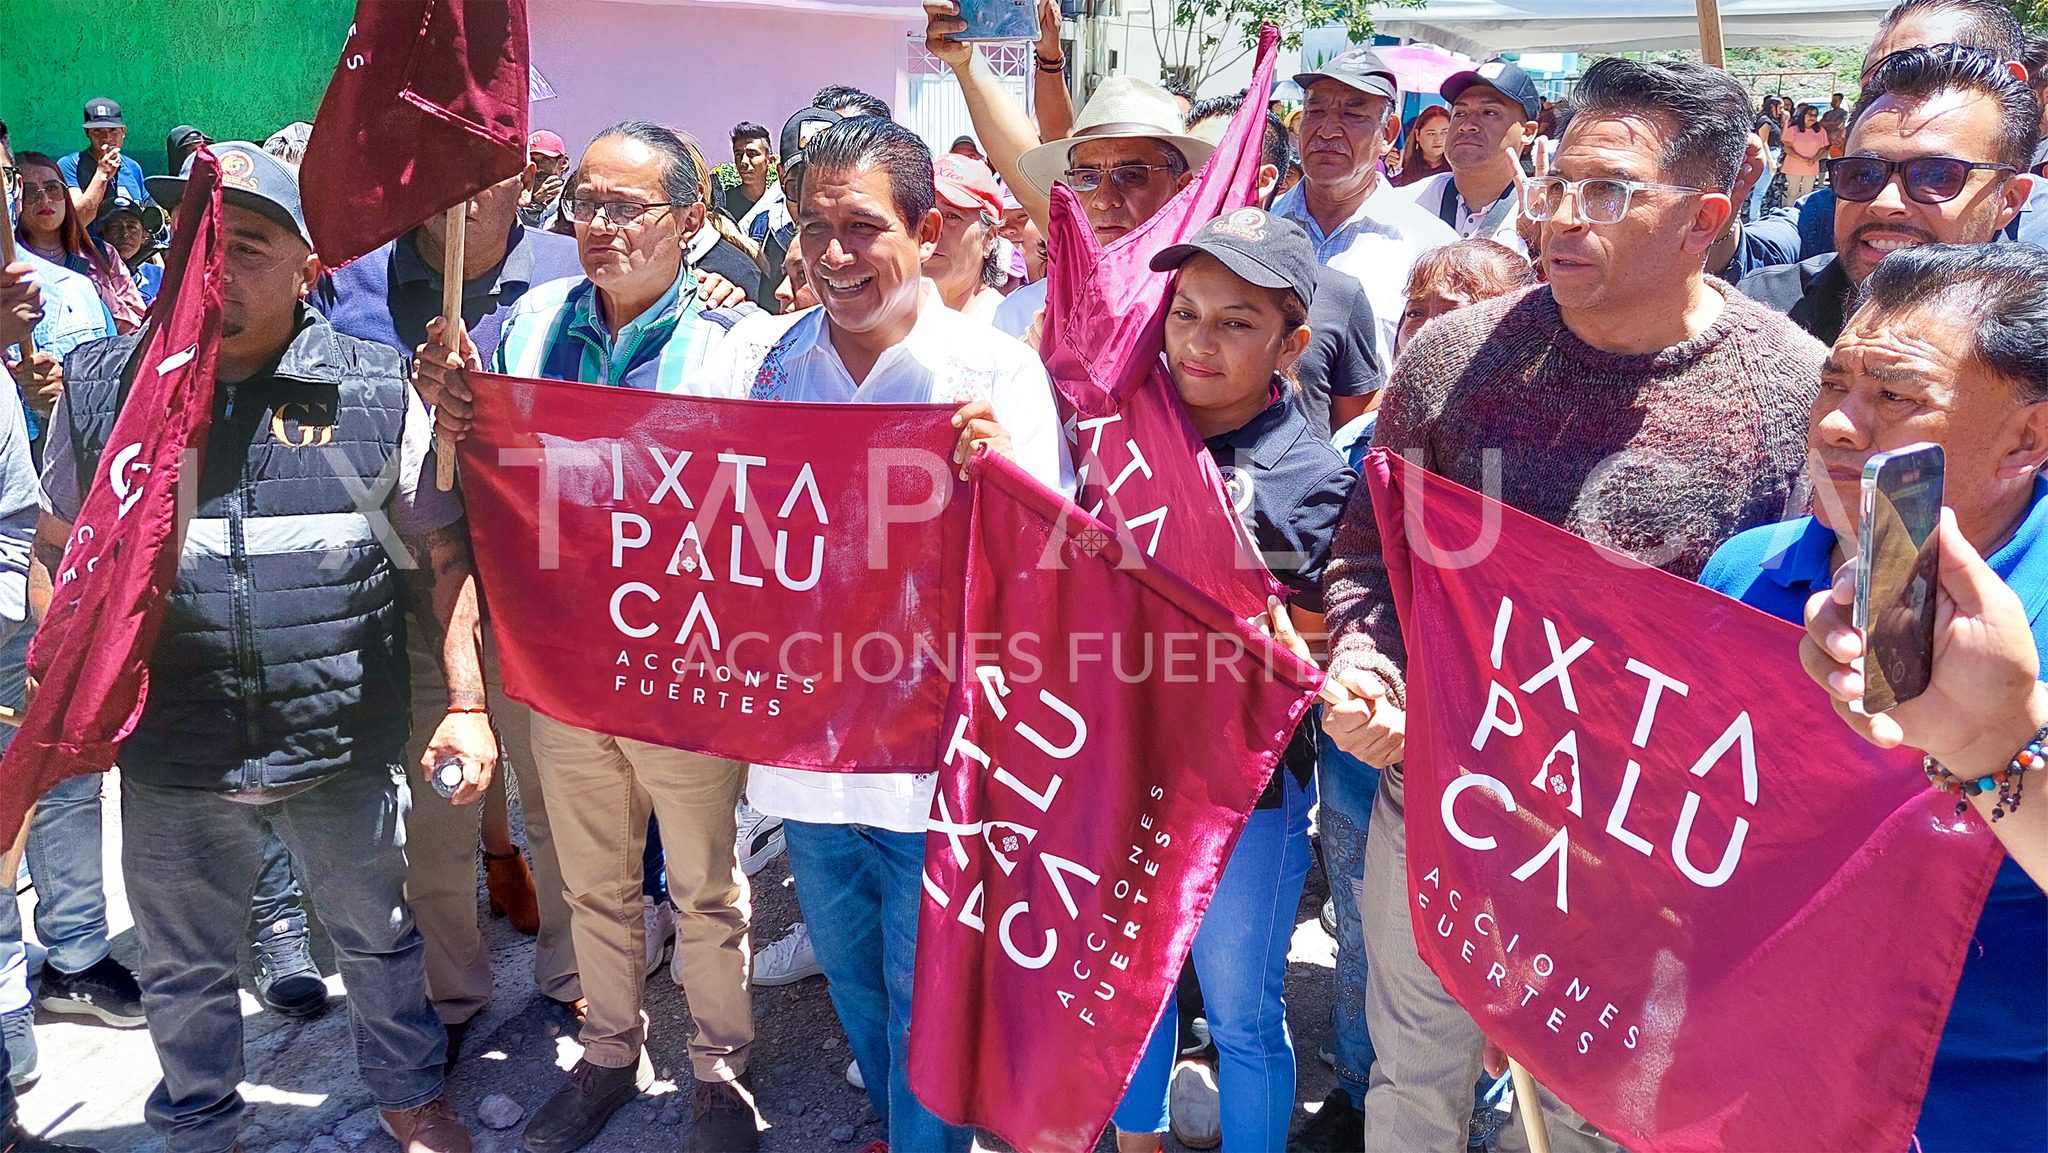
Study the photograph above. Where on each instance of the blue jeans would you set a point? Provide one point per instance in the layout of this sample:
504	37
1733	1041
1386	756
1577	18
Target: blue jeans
63	856
1346	786
1241	959
860	892
193	858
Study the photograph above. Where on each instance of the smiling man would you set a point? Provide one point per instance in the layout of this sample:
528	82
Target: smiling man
1359	222
1633	400
1493	117
1937	154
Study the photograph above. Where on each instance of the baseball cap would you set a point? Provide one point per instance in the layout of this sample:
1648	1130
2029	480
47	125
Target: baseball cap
150	216
101	112
965	182
250	178
546	144
1504	77
1361	68
1259	247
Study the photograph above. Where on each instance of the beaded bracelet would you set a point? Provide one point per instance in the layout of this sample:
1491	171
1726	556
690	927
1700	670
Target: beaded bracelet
2008	780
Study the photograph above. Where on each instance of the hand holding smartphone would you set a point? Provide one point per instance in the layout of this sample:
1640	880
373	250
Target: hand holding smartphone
1897	562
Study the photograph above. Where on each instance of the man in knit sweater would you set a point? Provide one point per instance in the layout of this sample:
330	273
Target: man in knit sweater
1632	400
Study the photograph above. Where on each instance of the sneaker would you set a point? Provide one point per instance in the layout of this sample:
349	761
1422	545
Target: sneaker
15	1139
578	1110
789	960
1329	917
20	1031
661	925
854	1078
286	978
429	1128
107	991
1193	1106
722	1118
760	840
1337	1127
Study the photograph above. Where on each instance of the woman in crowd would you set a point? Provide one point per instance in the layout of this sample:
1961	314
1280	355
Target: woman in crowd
1235	324
1427	136
1806	142
966	263
51	229
122	225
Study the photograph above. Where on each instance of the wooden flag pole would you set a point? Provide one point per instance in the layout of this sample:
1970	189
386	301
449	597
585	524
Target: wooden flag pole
28	341
453	242
1527	1103
1711	49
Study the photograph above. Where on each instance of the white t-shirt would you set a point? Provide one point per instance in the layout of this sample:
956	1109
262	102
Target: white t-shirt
1428	194
1377	247
947	358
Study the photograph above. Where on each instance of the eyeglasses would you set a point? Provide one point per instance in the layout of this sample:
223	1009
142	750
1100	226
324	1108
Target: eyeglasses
1928	179
31	193
618	212
12	176
1124	177
1602	199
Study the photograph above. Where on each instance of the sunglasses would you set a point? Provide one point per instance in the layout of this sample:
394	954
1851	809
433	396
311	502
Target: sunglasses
1927	179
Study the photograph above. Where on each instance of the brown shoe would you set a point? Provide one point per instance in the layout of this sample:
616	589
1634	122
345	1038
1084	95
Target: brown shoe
722	1118
578	1110
510	884
429	1128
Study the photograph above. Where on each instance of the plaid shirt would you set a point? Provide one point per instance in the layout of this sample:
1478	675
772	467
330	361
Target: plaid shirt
557	332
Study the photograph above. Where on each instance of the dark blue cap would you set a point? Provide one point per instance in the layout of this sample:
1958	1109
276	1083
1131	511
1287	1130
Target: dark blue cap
250	178
1259	247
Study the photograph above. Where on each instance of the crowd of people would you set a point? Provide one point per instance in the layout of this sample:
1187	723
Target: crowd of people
1643	312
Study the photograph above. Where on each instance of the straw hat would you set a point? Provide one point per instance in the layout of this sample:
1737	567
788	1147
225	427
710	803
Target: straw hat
1123	108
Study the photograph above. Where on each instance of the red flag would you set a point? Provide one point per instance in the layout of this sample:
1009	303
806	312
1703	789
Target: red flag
1661	873
426	109
1140	466
685	571
1081	820
92	651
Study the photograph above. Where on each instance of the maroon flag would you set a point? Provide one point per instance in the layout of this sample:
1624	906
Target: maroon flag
1139	465
92	651
1083	813
714	575
1661	873
427	108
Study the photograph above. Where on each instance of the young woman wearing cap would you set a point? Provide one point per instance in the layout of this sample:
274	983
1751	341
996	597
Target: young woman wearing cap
965	263
1235	324
51	229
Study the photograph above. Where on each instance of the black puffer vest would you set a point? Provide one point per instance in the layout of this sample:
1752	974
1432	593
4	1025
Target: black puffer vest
282	658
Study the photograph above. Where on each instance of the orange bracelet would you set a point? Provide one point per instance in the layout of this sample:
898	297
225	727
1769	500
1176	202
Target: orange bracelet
455	709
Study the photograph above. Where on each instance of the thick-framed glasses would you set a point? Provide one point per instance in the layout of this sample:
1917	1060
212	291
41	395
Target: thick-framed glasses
618	212
1123	178
1601	200
1927	179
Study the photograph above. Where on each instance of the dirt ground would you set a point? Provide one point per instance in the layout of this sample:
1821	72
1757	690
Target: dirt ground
305	1096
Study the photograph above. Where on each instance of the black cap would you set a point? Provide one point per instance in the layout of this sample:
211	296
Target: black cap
1361	68
1503	76
1261	248
101	112
800	128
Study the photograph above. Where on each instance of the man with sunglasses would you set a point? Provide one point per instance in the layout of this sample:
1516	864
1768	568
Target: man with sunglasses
633	320
1634	400
1937	154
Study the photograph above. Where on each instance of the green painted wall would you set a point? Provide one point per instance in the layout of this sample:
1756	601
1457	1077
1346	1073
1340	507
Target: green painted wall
238	69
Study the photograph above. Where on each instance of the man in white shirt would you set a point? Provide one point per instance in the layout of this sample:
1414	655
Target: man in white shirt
1359	223
865	214
1493	117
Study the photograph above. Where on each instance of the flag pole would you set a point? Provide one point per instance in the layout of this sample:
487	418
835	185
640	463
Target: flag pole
1711	49
28	339
453	241
1526	1101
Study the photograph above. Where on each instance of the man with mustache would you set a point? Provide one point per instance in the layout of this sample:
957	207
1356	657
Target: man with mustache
1937	154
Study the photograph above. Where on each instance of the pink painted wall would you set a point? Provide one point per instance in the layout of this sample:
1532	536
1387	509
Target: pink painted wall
702	67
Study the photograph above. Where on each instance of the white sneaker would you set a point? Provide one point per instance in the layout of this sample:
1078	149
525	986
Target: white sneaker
789	960
661	925
1194	1107
853	1076
760	839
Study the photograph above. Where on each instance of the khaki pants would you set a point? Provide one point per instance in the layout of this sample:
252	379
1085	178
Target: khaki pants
441	849
603	789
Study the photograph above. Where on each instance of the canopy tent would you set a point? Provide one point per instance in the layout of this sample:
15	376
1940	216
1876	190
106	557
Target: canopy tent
1482	28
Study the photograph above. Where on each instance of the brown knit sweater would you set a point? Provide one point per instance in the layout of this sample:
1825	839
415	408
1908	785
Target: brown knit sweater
1662	456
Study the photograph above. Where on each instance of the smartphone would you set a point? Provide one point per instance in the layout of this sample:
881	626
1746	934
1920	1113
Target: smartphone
998	20
1897	559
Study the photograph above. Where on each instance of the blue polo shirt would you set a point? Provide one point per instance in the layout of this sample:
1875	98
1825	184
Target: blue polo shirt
1989	1089
128	178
